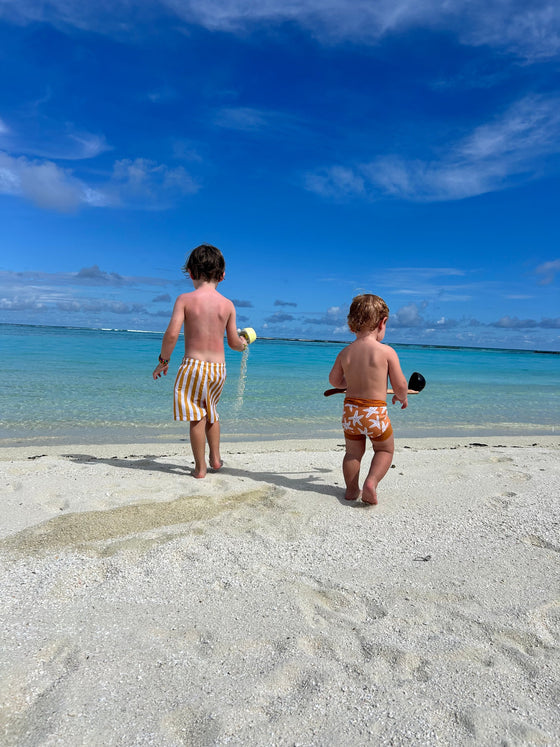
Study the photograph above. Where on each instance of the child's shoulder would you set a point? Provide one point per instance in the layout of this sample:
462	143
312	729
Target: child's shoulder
183	298
220	298
390	352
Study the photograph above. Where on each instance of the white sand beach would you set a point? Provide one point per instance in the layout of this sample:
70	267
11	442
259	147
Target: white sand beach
257	607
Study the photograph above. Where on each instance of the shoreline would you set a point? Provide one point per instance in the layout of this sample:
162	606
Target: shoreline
10	450
258	607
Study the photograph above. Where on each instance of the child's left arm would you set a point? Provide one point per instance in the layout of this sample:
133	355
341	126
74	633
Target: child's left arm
336	376
235	341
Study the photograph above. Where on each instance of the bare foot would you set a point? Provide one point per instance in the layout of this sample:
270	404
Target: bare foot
216	464
352	495
199	472
369	494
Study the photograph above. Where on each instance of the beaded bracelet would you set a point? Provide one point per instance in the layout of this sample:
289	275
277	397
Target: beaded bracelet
163	361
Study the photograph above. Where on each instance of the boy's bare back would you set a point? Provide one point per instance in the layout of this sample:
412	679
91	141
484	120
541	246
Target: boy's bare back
205	315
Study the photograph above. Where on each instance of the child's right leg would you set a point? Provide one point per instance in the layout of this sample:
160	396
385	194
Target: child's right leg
355	449
382	459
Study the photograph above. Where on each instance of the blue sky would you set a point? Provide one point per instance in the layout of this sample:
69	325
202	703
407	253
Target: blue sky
327	148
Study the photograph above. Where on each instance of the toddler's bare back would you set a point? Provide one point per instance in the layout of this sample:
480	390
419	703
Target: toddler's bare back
365	365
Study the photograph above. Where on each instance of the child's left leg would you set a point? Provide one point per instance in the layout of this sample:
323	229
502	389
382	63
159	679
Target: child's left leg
382	459
198	446
355	449
213	438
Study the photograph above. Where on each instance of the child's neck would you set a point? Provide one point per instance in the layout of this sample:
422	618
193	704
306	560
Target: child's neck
368	334
202	284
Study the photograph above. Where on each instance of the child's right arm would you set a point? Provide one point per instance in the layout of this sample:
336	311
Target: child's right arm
397	379
170	338
336	376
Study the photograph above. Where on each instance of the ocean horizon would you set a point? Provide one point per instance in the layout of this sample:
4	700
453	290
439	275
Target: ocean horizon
287	339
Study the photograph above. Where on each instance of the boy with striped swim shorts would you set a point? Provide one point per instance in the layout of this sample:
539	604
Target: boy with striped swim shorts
205	315
362	369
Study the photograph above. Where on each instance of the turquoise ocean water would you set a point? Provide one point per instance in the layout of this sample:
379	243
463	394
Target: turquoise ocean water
68	385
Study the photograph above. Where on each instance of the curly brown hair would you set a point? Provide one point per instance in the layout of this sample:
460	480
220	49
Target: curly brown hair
206	262
366	311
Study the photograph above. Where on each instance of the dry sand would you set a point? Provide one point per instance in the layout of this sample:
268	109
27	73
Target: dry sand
257	607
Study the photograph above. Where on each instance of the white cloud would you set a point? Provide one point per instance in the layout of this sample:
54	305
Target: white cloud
20	304
145	183
407	316
138	183
494	156
41	182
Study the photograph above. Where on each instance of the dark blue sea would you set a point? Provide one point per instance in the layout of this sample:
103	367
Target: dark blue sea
69	385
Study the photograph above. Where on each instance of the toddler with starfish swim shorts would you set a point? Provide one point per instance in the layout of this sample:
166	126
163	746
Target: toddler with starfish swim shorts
362	369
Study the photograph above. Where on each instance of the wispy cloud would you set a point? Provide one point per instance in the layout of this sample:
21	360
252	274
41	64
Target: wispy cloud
494	156
87	276
90	290
243	118
548	271
36	135
100	305
279	318
512	322
261	122
529	30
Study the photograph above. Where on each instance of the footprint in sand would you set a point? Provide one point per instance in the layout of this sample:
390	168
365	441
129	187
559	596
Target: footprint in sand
534	539
319	603
192	726
39	695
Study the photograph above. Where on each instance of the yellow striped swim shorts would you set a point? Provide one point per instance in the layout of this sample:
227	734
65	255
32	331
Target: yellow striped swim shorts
198	387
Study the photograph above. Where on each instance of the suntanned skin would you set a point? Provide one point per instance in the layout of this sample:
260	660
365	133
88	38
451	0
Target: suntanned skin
205	315
362	368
